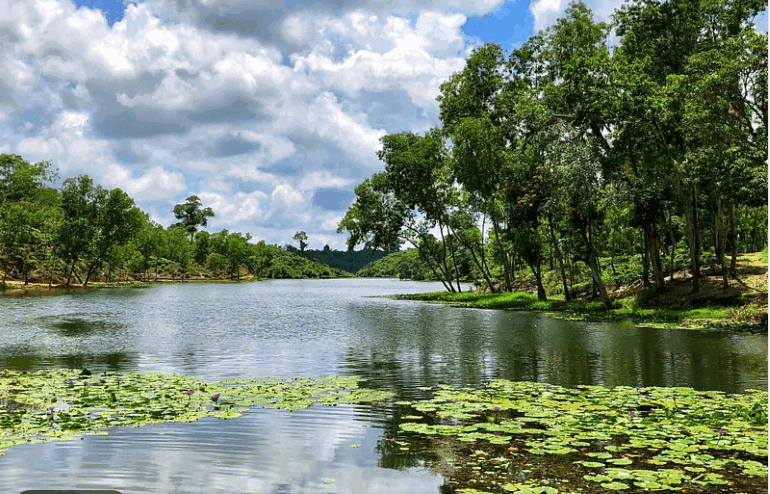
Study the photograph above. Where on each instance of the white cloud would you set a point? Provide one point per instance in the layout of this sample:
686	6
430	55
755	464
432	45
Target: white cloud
155	184
547	12
242	207
321	179
164	104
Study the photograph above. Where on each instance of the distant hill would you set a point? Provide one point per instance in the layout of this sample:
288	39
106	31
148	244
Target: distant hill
348	260
404	264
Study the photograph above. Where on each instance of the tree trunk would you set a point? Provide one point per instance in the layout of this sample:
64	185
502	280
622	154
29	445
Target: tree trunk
559	259
506	267
427	261
541	295
597	279
88	274
733	241
447	271
69	273
481	265
645	260
454	260
653	253
673	244
721	240
596	273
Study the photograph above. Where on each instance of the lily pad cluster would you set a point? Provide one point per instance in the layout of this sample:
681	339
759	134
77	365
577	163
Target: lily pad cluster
62	404
527	437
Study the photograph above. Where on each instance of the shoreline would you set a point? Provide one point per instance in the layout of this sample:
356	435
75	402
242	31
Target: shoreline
709	317
15	288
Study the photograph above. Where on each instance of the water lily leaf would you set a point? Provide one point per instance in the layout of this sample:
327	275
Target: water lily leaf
615	486
620	461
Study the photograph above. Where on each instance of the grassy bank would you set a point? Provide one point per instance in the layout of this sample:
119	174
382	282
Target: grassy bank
742	306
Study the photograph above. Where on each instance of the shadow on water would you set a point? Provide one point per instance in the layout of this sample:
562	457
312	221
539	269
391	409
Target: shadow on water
80	326
21	359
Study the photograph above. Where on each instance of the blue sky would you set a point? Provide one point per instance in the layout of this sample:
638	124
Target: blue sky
509	25
270	111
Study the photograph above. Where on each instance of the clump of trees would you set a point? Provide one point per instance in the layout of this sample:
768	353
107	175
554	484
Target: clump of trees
83	232
569	149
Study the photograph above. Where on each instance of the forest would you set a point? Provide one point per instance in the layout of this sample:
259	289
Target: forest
644	138
83	232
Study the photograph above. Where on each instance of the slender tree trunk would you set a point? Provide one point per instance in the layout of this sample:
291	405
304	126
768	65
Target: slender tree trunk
596	274
447	270
70	271
612	259
88	274
481	265
454	259
557	251
673	244
541	295
693	236
645	260
506	267
733	241
653	252
427	261
721	240
596	270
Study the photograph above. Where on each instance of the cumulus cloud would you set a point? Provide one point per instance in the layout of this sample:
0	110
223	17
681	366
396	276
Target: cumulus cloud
271	115
547	12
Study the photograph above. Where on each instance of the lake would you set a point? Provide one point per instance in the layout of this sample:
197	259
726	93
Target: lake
315	328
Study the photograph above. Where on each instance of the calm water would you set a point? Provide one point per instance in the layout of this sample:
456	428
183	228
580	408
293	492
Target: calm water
315	328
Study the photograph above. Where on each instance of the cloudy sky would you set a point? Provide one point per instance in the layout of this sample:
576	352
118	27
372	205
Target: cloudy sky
269	110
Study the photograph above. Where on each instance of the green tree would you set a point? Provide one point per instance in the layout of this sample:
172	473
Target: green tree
117	220
416	170
471	113
202	247
192	214
301	238
78	229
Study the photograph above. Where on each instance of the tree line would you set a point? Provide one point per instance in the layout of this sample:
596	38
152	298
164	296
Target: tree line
83	231
346	260
578	148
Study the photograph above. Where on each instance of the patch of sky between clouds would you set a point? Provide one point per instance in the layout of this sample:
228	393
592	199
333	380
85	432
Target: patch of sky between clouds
510	25
113	9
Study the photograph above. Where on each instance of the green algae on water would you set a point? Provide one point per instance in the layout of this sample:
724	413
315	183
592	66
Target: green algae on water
530	437
62	404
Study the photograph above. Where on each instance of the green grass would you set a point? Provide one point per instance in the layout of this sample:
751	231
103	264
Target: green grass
625	309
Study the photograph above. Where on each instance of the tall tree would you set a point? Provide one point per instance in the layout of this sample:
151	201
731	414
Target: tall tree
471	115
192	214
417	173
301	238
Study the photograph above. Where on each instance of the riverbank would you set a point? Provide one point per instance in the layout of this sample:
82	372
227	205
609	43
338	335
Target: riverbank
740	307
15	288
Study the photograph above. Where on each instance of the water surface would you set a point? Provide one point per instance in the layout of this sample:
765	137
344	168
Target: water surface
314	328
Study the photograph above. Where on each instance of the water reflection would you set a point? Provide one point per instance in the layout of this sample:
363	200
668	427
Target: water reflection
263	451
469	346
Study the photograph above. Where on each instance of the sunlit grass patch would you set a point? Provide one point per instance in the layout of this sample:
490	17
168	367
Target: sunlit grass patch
704	317
533	437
